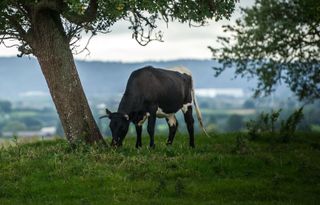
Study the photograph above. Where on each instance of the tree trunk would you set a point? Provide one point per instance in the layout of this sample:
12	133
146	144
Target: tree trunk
51	47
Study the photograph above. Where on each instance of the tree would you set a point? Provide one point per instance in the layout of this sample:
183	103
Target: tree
50	29
276	41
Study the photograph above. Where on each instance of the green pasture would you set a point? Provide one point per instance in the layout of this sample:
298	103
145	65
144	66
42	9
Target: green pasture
226	169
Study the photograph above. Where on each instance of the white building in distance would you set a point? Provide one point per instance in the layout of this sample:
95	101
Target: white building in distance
214	92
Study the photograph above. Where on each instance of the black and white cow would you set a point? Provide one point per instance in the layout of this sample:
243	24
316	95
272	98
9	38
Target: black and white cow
151	93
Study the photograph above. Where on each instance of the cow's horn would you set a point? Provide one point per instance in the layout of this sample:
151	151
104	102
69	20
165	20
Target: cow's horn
103	116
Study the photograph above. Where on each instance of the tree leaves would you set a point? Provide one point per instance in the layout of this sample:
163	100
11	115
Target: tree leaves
100	15
276	41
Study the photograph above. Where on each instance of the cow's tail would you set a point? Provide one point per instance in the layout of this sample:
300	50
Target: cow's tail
198	112
186	71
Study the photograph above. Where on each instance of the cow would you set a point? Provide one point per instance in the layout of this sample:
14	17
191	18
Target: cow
155	93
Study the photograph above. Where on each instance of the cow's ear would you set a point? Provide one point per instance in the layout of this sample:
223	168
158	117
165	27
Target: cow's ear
108	112
126	116
107	115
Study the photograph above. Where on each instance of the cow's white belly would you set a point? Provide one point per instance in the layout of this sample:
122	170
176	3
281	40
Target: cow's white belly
170	116
161	114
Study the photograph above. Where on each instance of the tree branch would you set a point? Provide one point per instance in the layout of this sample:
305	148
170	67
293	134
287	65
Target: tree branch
13	21
88	15
49	4
143	28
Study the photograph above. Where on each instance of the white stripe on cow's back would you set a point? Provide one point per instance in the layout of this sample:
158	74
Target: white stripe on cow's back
182	70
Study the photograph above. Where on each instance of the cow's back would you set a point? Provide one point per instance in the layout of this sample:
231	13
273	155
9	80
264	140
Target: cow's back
168	89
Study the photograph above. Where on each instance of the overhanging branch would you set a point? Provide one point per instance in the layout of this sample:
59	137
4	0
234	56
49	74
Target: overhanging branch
143	28
88	15
19	32
15	24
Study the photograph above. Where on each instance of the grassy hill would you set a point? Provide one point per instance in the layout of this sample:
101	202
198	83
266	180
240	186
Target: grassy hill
226	169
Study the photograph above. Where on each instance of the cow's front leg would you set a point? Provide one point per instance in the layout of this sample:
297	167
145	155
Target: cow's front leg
139	132
173	126
151	126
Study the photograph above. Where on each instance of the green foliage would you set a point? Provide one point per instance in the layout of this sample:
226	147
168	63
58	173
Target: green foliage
265	124
99	15
276	41
49	172
288	127
242	145
179	187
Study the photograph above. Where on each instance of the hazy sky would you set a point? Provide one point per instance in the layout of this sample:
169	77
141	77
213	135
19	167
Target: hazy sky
180	41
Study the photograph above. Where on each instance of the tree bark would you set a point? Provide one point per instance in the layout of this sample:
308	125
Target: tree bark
51	47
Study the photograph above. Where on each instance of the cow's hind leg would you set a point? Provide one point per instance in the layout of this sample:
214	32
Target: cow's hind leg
173	126
139	132
151	126
188	118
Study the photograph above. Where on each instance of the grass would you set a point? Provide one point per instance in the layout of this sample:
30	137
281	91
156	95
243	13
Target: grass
227	169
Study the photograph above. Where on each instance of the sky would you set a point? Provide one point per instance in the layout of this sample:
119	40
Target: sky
180	42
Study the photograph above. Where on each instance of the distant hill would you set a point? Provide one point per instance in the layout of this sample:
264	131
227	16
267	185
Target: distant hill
21	77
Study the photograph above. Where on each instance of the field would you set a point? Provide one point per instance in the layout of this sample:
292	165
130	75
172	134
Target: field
226	169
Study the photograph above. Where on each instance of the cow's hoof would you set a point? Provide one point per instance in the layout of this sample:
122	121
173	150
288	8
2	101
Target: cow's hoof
152	146
169	143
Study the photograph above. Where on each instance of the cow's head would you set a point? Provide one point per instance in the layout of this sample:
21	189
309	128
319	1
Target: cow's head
119	125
